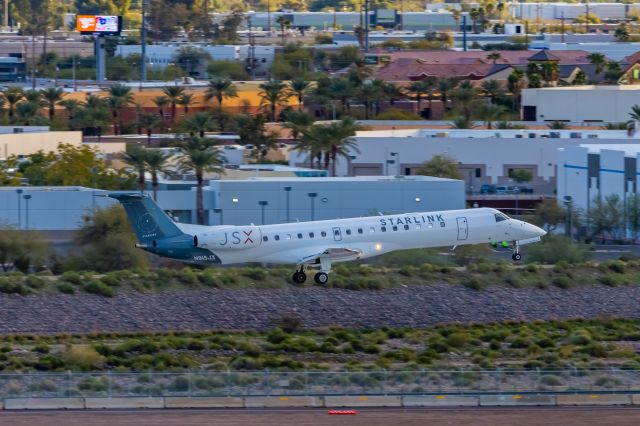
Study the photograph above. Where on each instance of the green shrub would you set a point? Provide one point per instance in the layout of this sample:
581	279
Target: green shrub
614	280
209	280
407	270
72	277
617	266
66	288
35	282
562	282
556	249
187	276
475	283
257	274
98	287
458	340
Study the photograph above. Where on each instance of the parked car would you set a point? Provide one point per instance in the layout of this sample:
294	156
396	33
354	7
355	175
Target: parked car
488	189
502	190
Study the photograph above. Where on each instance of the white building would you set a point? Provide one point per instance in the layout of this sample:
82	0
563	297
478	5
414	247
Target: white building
586	172
580	104
483	156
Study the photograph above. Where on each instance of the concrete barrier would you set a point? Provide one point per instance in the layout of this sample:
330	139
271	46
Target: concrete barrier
362	401
203	402
499	400
281	401
44	403
593	399
122	402
439	401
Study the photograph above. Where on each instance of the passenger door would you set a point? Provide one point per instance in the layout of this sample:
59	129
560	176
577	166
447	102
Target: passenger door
337	234
463	228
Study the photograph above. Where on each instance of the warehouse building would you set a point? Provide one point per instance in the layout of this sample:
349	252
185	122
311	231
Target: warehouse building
586	172
580	104
240	202
483	156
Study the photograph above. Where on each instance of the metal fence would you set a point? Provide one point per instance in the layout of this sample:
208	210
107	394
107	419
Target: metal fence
261	383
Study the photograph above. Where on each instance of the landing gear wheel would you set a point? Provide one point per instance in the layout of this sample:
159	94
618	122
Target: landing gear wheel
516	256
321	278
299	277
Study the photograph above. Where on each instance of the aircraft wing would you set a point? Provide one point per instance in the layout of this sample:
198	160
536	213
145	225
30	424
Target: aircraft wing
333	254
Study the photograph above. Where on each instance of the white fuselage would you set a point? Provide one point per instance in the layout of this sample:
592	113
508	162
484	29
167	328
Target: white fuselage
358	238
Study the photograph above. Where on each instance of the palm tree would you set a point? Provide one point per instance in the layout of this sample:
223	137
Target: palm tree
71	107
220	89
136	157
635	112
173	94
558	125
419	89
494	57
298	122
161	102
465	98
392	92
515	84
490	113
599	60
33	96
492	89
200	156
27	113
273	94
185	101
461	122
51	97
331	140
445	86
341	89
156	162
200	123
13	95
149	122
120	97
368	94
298	88
284	23
94	114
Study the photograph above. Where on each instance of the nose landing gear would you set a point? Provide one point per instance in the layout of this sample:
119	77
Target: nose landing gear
516	256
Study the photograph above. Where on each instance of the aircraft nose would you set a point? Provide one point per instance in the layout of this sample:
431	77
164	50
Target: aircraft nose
538	232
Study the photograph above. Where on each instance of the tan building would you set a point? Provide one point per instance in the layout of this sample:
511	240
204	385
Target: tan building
30	143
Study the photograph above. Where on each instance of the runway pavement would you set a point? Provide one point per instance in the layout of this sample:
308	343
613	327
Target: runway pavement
584	416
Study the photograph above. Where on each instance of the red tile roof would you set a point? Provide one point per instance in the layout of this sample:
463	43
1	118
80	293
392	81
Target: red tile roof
632	59
408	65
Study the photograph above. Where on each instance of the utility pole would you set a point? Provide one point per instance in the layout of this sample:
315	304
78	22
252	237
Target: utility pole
401	15
33	60
587	15
269	16
464	32
366	26
562	27
6	13
143	45
45	31
252	51
73	73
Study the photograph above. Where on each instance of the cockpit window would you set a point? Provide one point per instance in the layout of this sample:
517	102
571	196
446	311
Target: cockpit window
500	217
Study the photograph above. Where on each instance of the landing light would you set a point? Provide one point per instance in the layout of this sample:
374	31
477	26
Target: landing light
378	247
418	199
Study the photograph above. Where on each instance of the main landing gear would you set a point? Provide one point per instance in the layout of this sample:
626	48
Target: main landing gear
321	277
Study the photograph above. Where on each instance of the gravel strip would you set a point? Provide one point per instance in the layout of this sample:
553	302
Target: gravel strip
415	306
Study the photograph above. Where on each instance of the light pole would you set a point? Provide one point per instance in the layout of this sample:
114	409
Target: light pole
312	197
287	190
143	44
19	192
263	204
27	197
221	218
568	201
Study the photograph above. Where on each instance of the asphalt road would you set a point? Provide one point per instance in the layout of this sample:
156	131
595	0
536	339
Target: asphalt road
569	416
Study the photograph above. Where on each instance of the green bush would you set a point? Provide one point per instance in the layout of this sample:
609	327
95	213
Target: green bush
34	282
98	287
72	277
257	274
475	283
458	340
66	288
614	280
556	249
562	282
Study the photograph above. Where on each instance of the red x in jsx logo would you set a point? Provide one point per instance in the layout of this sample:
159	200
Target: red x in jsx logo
248	237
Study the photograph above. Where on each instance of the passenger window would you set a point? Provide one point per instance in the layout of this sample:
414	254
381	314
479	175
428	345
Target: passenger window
395	228
383	228
348	231
277	238
265	238
359	230
323	234
299	236
310	234
500	217
372	229
406	227
442	224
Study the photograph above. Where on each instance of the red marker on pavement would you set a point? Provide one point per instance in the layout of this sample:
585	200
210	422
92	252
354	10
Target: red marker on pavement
342	412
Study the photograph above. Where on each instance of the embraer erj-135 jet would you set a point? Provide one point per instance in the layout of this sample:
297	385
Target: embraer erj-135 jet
319	244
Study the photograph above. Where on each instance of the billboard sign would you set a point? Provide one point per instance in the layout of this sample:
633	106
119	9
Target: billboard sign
99	24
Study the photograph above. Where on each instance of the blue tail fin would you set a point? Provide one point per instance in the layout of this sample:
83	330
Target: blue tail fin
148	220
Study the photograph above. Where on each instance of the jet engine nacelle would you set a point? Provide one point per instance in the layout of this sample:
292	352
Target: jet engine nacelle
232	238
